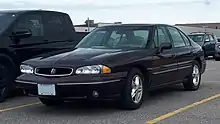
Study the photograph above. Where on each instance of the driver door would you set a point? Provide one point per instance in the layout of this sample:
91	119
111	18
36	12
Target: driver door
26	48
164	64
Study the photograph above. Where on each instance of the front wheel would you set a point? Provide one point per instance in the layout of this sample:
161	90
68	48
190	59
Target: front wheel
6	79
194	78
132	96
50	102
216	58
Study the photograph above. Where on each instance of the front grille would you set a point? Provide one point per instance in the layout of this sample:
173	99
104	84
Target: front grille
53	71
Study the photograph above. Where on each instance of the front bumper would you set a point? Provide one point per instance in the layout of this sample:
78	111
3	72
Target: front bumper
107	86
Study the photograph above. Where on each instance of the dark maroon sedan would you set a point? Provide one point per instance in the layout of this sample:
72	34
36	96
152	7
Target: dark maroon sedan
121	62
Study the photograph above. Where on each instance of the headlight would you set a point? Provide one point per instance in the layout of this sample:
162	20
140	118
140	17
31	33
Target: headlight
219	46
93	69
26	69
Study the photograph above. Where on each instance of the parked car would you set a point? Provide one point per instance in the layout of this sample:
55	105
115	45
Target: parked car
207	40
119	62
27	33
217	51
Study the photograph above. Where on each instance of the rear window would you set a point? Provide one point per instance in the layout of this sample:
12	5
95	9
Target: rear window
197	37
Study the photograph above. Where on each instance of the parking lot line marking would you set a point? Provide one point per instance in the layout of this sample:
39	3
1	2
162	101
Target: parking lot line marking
18	107
211	69
181	110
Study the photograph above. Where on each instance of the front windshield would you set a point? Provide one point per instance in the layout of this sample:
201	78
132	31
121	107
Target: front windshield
197	37
116	37
5	20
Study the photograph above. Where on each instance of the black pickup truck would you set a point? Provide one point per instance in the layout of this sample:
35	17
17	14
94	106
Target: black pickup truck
28	33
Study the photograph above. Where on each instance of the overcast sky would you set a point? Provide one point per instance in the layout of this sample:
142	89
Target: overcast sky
127	11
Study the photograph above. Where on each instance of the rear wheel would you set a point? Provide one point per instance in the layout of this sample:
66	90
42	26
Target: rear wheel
132	96
194	78
216	58
50	102
7	77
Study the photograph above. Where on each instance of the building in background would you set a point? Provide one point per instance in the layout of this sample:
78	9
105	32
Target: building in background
91	25
202	25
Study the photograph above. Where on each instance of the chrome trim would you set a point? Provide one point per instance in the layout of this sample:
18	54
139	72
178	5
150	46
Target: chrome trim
185	62
25	82
165	71
169	65
61	75
185	67
102	82
169	70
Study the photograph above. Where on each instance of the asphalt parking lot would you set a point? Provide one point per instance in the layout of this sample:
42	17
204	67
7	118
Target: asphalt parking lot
170	105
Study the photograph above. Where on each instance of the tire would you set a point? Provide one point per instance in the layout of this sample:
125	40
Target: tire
127	102
216	58
7	76
191	85
50	102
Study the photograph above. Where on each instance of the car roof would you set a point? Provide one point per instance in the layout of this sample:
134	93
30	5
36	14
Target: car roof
133	25
203	33
24	11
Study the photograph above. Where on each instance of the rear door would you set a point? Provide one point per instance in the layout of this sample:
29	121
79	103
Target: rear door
207	45
29	47
164	65
59	32
212	44
183	50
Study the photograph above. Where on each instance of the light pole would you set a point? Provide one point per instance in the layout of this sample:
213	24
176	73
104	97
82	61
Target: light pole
88	24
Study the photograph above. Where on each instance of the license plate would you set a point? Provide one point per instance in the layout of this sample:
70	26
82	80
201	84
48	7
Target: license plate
46	89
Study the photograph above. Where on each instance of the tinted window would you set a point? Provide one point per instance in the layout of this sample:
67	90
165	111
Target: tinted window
177	38
187	42
55	26
207	38
197	37
161	36
116	37
211	38
6	20
32	22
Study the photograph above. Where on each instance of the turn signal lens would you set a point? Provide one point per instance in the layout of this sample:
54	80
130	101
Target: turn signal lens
106	70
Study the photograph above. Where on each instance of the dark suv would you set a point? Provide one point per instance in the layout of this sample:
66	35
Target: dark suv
206	40
27	33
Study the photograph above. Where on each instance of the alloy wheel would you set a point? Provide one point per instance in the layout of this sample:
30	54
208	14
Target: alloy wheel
196	75
137	89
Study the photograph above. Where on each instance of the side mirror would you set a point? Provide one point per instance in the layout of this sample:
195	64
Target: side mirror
21	33
164	46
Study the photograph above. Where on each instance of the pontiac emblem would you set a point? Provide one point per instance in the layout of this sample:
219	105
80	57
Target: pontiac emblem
53	71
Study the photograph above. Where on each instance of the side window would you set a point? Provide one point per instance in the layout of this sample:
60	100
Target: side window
161	37
55	29
211	38
185	38
177	38
32	22
207	38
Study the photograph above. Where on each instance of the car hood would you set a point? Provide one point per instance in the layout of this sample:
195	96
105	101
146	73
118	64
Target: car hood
76	57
